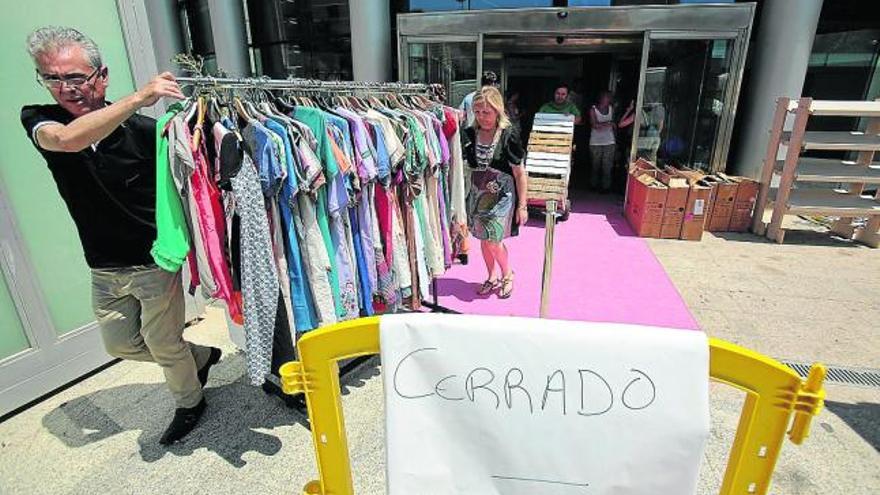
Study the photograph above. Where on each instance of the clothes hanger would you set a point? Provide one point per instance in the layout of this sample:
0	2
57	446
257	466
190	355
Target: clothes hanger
191	109
248	102
200	122
214	112
240	109
270	102
425	103
359	103
322	101
393	99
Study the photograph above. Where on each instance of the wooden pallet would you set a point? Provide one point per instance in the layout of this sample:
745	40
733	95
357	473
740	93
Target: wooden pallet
551	139
548	162
556	186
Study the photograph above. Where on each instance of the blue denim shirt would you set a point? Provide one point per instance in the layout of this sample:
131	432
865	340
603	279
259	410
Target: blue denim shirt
304	314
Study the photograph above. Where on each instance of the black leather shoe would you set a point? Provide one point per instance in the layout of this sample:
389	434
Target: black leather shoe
185	419
213	359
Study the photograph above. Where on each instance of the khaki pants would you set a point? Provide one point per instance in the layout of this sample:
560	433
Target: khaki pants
141	314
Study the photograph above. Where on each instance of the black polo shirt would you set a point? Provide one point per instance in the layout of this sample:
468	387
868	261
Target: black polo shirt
109	189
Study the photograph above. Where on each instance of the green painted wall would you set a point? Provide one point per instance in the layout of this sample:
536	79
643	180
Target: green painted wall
49	234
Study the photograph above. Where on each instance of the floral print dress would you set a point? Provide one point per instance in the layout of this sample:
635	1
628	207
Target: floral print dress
491	197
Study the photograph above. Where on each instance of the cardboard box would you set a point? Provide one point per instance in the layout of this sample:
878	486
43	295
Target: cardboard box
723	200
641	164
692	176
676	201
645	201
695	212
744	204
637	168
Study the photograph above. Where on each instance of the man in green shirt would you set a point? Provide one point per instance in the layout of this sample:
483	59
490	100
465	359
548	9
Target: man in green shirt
562	105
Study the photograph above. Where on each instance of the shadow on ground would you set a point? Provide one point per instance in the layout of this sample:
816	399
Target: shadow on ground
234	422
360	374
805	237
863	418
459	289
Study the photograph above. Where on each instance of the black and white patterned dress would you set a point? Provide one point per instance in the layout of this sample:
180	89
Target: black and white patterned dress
259	276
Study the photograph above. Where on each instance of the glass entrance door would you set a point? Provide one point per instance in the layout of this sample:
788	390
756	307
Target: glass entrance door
453	62
686	101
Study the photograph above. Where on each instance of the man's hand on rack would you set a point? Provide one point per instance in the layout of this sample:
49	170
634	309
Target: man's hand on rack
162	85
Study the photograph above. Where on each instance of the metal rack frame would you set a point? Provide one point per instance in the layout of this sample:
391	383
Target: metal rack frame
304	84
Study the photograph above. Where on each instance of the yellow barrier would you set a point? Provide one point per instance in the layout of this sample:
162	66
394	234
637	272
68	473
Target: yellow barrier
774	393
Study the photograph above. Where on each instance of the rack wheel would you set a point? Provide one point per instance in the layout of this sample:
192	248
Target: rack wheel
567	212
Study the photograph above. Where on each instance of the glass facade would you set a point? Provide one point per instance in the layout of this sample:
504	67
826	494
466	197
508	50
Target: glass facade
685	86
303	38
844	65
452	64
198	39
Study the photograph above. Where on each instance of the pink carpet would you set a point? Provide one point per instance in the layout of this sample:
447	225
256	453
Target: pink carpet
601	272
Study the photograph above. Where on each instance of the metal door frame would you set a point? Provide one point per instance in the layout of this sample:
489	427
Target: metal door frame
51	360
730	21
731	93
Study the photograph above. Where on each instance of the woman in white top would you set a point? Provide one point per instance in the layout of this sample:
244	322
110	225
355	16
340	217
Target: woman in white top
602	141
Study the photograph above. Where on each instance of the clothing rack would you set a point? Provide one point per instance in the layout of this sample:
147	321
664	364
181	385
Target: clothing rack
306	85
317	86
301	84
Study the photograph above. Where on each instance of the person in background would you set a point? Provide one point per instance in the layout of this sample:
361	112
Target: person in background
489	79
497	198
562	105
602	141
102	156
512	108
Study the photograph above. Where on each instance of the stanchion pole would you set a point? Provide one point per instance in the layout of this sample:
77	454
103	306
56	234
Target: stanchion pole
549	228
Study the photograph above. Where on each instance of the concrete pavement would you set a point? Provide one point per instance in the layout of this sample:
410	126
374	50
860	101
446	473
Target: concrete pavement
800	301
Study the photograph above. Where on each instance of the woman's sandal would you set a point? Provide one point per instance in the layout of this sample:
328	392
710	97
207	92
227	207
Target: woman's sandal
506	287
488	286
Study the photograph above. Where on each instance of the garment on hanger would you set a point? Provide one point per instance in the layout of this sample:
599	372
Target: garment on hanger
312	211
259	277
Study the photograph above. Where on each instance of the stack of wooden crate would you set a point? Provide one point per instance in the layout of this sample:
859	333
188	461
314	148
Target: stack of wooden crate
548	161
821	186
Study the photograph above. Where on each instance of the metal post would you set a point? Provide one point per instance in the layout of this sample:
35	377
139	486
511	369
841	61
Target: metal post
549	228
370	40
230	38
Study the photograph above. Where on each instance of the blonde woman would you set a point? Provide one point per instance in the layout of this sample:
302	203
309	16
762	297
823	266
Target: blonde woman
497	196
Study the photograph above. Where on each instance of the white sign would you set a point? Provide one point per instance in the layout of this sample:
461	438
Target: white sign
500	405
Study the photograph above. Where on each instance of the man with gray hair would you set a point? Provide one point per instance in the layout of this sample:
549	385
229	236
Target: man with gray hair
102	157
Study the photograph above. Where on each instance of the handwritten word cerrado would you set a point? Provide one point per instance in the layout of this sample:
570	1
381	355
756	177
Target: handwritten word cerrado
513	389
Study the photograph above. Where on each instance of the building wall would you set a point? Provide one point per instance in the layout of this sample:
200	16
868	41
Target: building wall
45	226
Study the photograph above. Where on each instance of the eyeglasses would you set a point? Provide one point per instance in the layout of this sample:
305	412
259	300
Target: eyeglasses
55	82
